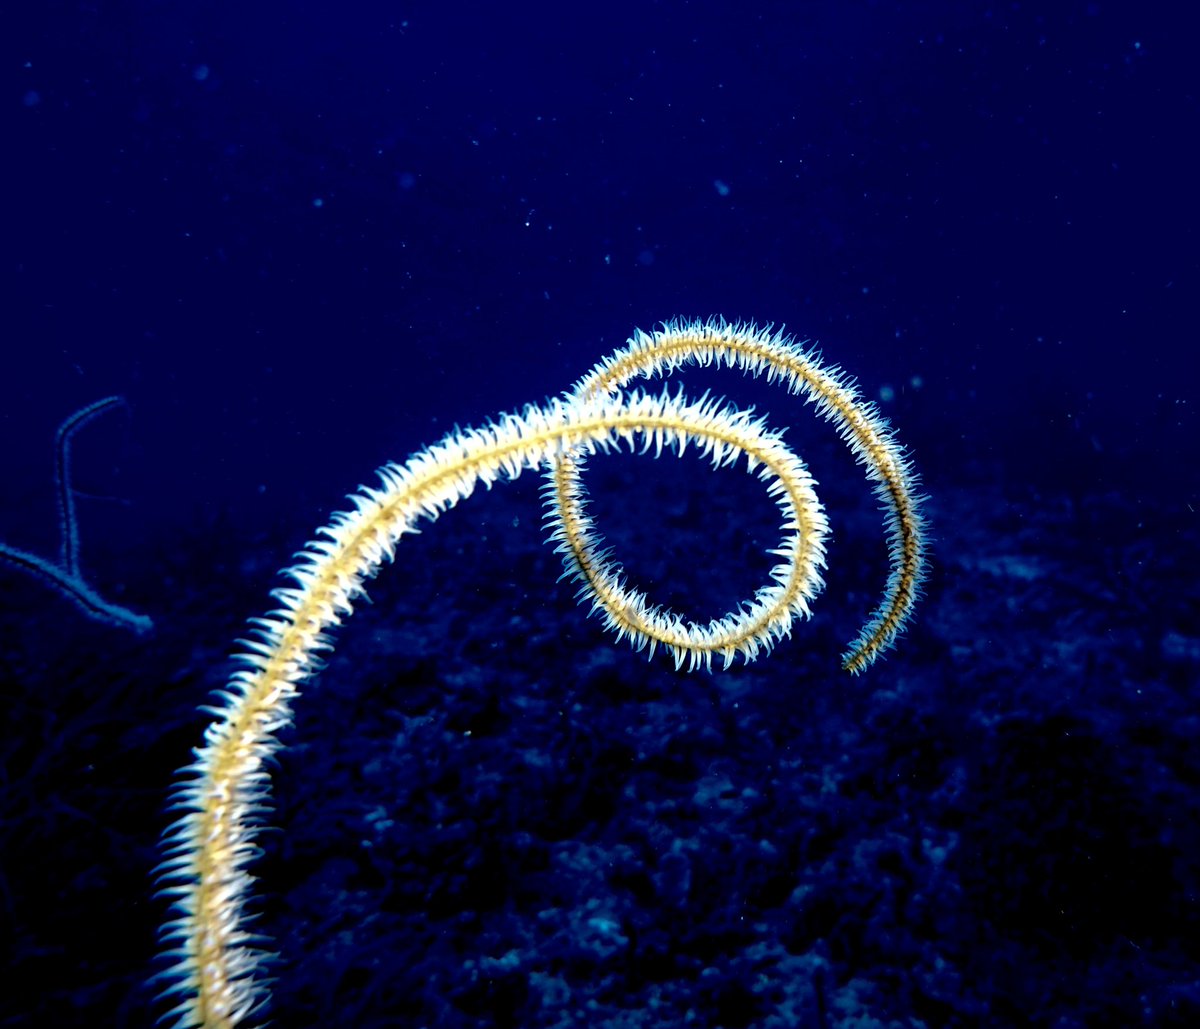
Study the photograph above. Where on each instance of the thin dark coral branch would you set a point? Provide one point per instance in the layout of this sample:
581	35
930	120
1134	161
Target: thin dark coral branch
64	576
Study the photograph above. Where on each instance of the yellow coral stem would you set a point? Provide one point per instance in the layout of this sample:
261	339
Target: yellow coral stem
217	963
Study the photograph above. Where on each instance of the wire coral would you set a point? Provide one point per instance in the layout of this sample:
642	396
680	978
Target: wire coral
216	964
64	575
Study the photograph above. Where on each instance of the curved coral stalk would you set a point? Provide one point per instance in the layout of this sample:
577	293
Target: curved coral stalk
216	963
758	351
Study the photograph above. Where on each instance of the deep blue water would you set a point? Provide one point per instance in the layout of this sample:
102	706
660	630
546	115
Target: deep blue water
304	239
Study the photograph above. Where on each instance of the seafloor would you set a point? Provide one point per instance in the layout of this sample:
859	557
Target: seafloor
488	814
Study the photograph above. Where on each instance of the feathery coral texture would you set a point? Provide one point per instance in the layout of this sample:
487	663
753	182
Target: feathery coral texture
215	967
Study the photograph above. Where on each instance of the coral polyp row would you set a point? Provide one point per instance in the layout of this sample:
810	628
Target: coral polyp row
216	966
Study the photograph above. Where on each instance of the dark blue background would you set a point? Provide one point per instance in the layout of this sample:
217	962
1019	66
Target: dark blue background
294	234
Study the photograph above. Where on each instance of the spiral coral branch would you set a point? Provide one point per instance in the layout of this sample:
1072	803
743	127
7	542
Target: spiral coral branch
216	963
758	351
